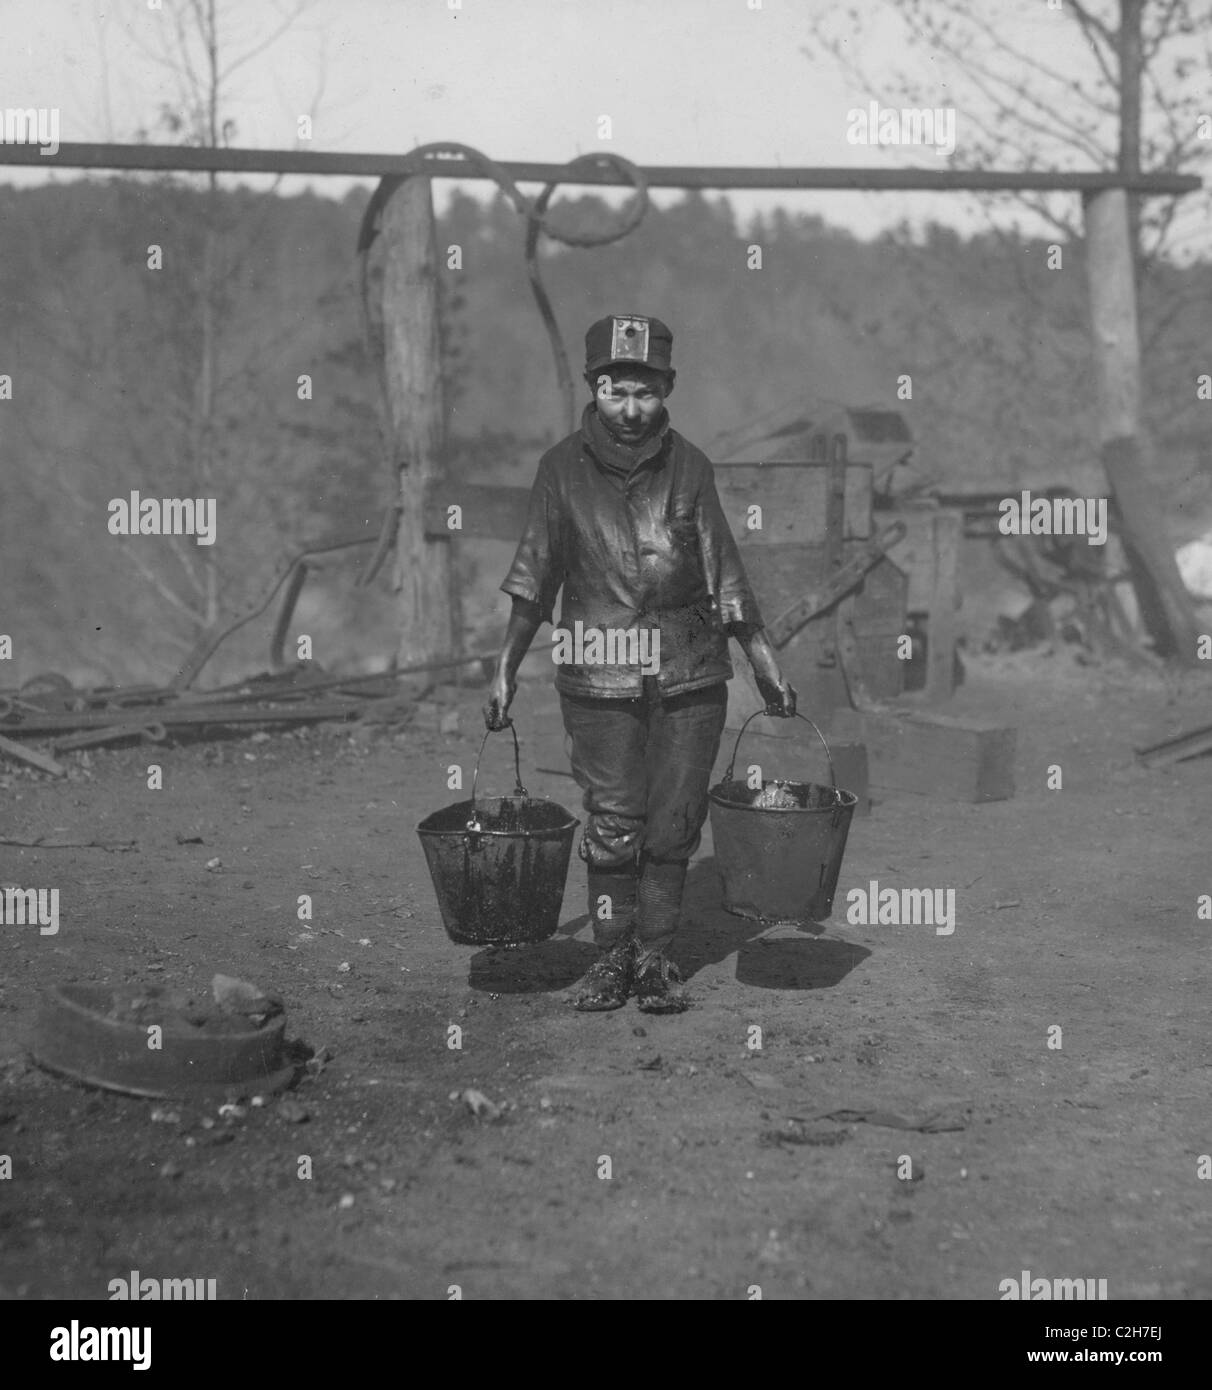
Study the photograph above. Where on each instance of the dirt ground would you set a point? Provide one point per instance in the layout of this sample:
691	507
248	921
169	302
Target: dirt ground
1074	907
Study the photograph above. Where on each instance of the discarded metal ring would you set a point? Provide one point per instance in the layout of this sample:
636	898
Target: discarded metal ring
46	681
75	1038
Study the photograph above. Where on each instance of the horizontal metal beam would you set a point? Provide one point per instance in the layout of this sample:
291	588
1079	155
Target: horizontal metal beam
235	161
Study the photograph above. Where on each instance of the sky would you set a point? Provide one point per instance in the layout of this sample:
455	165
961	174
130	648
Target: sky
683	82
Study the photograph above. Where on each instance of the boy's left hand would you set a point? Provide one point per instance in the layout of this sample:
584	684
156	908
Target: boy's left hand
777	691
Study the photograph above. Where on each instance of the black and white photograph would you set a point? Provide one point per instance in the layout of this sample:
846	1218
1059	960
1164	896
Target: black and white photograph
606	663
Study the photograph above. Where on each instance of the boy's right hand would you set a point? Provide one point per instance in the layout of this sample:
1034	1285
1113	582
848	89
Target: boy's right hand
500	697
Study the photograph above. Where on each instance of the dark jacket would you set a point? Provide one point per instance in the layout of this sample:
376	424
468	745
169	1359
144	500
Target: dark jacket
649	548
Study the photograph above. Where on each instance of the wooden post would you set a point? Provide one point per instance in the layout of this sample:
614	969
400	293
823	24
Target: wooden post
1165	604
944	600
1130	51
429	611
839	642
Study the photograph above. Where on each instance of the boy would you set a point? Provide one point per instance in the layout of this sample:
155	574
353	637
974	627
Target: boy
624	514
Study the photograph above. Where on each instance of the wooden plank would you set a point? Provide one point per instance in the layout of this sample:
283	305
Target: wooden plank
873	618
489	513
200	712
1174	750
944	601
779	575
793	495
96	738
835	501
31	755
934	755
836	644
826	592
793	506
915	553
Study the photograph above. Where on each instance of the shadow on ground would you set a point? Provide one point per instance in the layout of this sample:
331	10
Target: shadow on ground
708	936
545	967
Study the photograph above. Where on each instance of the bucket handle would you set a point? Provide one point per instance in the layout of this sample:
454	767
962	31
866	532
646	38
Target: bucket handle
798	715
473	822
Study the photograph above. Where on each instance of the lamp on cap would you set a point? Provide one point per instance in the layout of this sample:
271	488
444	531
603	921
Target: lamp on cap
624	338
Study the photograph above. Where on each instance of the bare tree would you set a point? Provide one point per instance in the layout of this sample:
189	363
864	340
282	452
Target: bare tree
1134	99
191	48
1137	103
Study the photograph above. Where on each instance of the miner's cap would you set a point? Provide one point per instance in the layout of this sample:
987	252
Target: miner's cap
624	338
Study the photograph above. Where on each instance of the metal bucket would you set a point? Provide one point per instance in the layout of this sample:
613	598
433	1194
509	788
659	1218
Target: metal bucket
499	864
780	866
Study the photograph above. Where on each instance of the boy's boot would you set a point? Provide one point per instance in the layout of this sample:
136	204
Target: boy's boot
658	983
608	982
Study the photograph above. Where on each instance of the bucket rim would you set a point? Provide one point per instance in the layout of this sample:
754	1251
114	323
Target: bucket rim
458	832
846	800
570	822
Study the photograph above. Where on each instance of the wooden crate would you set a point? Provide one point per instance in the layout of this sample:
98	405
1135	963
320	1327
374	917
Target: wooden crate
933	755
781	573
794	501
878	611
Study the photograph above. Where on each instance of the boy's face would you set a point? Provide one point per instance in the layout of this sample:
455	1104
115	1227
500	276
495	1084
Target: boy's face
630	399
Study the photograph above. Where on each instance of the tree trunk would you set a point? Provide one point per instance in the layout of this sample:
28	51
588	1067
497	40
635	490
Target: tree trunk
1165	604
413	362
1130	69
205	483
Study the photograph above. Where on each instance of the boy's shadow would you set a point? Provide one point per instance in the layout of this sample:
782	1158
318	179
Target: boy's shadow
707	936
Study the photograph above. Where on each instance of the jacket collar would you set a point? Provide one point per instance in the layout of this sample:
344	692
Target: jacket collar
611	453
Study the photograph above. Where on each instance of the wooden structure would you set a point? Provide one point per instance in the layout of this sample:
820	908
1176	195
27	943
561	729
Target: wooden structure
431	614
929	556
1124	450
429	622
844	661
813	521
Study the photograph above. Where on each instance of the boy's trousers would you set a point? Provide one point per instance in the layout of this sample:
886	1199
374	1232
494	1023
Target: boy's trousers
645	767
